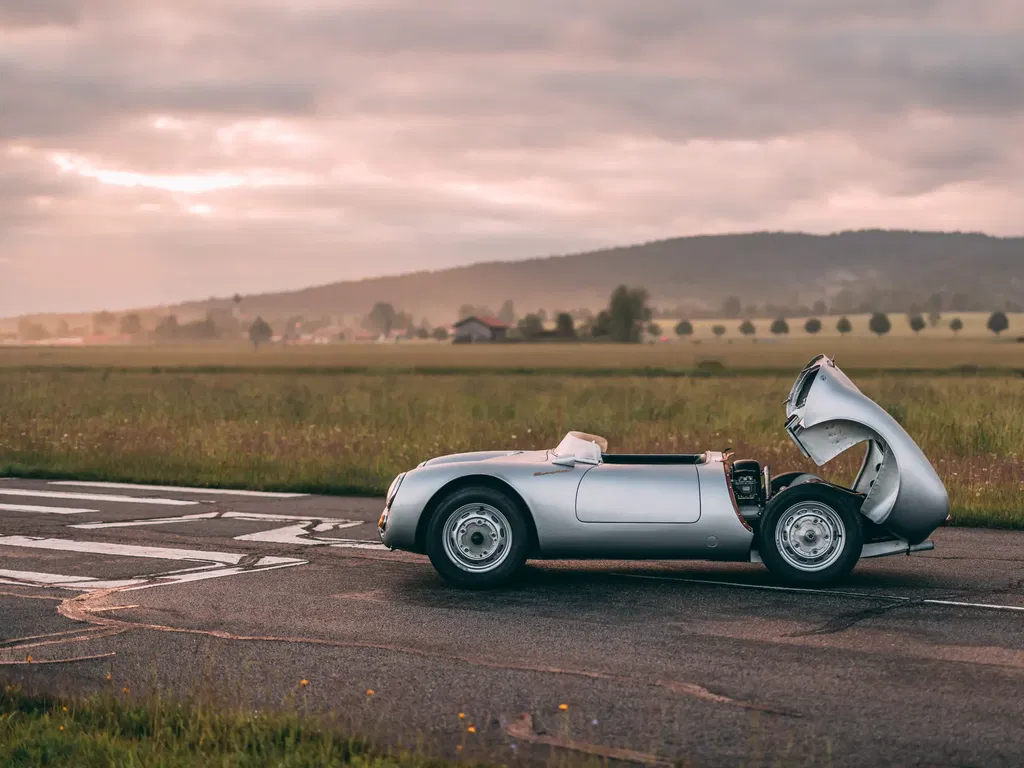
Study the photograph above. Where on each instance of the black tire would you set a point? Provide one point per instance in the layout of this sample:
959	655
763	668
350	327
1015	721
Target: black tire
493	518
812	558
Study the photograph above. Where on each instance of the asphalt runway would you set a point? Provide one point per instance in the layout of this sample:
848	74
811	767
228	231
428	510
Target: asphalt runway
914	661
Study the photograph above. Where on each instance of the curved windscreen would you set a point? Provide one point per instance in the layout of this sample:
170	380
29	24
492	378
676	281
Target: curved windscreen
581	446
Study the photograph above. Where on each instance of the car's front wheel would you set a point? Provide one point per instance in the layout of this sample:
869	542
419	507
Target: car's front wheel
478	538
811	535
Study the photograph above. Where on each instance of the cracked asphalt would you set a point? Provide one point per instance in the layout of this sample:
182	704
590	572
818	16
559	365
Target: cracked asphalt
657	662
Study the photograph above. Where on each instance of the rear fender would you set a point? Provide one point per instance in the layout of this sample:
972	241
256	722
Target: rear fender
828	415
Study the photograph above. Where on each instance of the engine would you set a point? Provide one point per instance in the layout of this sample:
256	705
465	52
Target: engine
746	482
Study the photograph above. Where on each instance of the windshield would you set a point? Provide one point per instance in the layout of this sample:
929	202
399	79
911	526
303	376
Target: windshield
581	445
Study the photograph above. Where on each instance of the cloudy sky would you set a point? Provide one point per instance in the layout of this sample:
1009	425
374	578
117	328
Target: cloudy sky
169	149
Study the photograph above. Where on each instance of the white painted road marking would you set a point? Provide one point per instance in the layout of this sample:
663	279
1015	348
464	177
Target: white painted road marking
36	579
358	544
132	550
50	510
96	497
249	516
298	533
827	592
212	564
295	534
990	606
154	521
178	489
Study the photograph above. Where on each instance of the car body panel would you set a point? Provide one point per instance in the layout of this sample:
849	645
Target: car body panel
459	458
828	415
624	493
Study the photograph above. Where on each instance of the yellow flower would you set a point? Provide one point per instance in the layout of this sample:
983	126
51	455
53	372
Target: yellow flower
108	675
462	715
124	690
29	658
62	727
458	747
472	729
563	707
303	682
63	709
369	691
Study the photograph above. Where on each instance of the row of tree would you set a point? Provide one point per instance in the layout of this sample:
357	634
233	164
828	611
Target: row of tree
628	317
844	302
879	324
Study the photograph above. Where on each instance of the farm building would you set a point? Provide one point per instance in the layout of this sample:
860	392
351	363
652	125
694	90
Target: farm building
475	329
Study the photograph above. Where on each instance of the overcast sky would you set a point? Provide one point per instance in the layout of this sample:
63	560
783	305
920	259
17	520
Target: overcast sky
158	150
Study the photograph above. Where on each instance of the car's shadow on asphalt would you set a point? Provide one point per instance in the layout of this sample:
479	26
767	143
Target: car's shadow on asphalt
625	586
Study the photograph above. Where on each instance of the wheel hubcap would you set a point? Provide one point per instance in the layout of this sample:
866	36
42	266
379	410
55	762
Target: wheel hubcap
477	538
810	536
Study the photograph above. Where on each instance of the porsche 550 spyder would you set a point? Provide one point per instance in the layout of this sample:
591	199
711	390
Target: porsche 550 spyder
479	516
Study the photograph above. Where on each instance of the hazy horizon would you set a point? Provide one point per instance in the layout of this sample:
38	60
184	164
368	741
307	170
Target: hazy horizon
162	152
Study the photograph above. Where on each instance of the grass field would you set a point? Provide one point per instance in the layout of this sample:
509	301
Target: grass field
352	433
736	355
112	730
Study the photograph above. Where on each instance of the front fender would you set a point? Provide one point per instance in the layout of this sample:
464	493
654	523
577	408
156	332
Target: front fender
519	471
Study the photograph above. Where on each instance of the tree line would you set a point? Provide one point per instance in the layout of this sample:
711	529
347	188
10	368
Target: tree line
879	324
627	318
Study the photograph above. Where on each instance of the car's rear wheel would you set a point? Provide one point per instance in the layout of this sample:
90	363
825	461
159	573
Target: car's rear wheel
811	535
478	538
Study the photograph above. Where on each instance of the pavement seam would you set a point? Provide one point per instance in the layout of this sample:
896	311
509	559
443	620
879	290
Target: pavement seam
523	730
48	635
81	638
39	662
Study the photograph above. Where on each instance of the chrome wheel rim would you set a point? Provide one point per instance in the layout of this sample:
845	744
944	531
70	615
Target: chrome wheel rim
477	538
810	536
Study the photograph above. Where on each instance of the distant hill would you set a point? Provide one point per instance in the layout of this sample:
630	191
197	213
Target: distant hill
893	271
889	270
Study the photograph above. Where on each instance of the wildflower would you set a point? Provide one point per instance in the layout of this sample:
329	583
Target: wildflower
63	709
563	707
303	682
462	715
62	728
471	729
29	658
124	690
108	675
369	691
458	747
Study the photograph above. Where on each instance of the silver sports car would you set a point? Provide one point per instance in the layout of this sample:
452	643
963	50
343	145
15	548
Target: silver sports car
479	516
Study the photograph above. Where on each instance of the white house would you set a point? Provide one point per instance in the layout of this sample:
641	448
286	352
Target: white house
476	329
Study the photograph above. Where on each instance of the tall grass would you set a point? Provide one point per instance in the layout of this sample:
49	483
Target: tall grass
110	730
353	433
